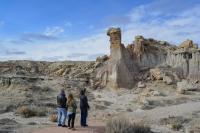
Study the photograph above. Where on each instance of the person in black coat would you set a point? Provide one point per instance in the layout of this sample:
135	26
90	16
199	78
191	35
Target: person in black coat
62	108
84	106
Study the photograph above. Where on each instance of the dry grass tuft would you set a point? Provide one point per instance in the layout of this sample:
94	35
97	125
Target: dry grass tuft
30	111
53	117
25	112
175	123
121	125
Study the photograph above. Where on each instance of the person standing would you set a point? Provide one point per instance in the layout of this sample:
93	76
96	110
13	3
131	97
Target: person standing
84	106
71	104
62	108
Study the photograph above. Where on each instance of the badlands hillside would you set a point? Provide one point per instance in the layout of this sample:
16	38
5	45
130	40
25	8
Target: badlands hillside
148	81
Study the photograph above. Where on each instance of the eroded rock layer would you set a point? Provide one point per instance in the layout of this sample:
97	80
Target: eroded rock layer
125	64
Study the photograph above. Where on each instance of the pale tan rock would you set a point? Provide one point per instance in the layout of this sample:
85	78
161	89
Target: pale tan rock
168	80
141	85
187	44
186	85
120	69
155	93
156	74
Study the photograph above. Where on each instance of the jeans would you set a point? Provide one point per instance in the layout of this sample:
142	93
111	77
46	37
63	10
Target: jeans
71	120
84	114
62	115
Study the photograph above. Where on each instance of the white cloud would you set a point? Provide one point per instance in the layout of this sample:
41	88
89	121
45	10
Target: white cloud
84	49
53	31
175	27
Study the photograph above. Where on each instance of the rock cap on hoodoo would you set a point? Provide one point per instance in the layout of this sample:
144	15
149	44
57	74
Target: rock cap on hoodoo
137	37
113	30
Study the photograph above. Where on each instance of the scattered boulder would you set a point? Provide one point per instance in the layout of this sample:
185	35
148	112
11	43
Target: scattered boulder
156	74
168	80
141	85
150	92
155	93
167	74
186	85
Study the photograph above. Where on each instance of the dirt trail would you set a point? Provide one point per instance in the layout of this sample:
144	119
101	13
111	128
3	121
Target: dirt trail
146	115
94	128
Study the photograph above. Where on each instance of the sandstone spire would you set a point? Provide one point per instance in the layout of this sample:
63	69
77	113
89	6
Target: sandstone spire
120	68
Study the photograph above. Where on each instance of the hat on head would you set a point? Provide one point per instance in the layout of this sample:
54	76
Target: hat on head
62	92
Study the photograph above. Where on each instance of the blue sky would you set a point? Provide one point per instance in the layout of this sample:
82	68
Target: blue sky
76	29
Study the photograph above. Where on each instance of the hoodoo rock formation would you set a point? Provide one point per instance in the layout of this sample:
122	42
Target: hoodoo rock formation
119	70
125	64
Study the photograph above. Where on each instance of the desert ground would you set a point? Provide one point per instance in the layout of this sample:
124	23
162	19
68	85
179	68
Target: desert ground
153	102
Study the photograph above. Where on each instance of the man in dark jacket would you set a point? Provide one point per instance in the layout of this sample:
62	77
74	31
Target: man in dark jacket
62	108
84	106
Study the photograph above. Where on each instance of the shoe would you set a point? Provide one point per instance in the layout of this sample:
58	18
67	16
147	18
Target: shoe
69	127
64	126
73	128
84	125
59	125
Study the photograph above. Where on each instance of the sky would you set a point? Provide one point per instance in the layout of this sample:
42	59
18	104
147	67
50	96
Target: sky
57	30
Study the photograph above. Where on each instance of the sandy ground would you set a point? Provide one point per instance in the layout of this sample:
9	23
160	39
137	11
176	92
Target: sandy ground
163	112
95	127
106	104
148	115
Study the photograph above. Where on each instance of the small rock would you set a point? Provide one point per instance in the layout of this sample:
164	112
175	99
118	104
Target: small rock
155	93
186	85
141	85
168	80
156	74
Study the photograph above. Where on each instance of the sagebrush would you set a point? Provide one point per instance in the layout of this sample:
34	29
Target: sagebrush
53	117
30	111
121	125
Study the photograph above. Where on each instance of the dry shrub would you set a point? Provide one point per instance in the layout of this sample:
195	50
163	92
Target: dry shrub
121	125
175	123
31	111
53	117
25	111
176	126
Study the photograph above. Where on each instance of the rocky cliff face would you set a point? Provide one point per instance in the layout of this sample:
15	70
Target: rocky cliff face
149	52
126	64
186	59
